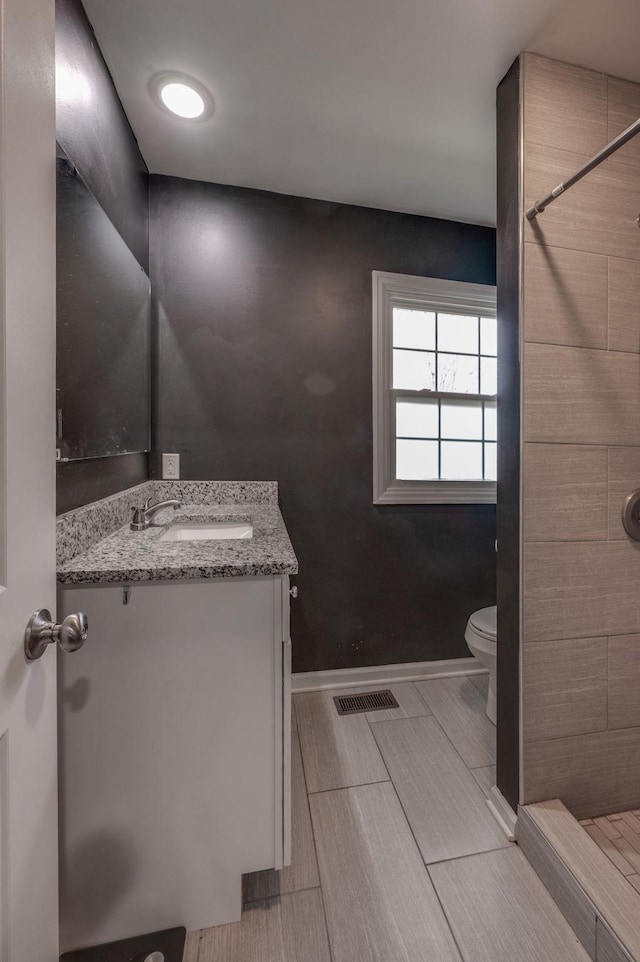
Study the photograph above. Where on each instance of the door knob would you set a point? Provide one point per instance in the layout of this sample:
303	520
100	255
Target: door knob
42	631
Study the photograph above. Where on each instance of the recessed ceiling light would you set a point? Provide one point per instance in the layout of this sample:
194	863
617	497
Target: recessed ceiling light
182	100
183	96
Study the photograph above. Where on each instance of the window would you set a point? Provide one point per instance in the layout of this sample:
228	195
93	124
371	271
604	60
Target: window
434	391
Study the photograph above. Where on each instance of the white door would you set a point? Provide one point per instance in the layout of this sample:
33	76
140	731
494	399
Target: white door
28	784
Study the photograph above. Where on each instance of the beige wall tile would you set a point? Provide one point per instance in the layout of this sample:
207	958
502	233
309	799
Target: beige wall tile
565	296
624	108
575	395
581	410
624	477
624	305
564	688
591	773
581	589
598	214
564	106
624	681
564	492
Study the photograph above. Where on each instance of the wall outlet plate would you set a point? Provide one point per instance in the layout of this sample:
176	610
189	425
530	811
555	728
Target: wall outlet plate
171	467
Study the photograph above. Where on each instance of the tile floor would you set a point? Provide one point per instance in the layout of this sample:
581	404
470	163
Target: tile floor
396	857
619	838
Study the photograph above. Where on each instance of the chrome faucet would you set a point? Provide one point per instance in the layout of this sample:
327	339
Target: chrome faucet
141	518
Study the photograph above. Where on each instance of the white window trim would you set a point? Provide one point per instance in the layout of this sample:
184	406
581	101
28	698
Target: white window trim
422	293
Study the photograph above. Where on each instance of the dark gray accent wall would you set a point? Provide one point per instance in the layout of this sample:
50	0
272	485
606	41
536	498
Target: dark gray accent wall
508	511
95	134
263	371
94	131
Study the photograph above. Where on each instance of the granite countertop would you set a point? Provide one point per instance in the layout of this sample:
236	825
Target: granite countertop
129	556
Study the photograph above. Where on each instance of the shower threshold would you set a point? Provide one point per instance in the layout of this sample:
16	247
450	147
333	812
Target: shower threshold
592	870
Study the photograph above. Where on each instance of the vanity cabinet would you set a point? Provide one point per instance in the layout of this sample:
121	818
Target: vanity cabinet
174	753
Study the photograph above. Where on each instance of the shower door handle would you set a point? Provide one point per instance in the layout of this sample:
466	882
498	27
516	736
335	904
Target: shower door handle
631	514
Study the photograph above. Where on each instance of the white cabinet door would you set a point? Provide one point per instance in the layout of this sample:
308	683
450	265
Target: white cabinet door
28	791
170	724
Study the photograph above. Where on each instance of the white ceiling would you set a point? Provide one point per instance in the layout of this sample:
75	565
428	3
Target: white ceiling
383	103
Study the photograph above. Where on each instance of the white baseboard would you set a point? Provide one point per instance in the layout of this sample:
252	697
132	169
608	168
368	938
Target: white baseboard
385	674
503	813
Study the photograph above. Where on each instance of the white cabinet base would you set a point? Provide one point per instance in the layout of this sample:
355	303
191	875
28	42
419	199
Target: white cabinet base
171	754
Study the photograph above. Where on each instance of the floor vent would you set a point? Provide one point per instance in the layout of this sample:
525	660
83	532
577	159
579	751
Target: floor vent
371	701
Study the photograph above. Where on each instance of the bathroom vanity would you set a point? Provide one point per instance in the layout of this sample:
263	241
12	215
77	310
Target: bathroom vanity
175	715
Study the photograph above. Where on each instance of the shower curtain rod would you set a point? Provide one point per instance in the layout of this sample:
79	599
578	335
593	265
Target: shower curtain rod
611	148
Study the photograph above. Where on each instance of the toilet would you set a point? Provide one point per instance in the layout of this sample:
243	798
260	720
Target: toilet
481	638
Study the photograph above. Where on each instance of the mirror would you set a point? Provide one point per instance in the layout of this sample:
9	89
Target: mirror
103	319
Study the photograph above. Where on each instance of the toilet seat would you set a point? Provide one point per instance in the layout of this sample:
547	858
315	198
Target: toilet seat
485	623
481	638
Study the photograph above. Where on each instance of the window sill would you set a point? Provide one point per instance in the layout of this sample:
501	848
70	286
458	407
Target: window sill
437	492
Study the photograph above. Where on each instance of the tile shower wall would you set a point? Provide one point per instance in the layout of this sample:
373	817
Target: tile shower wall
581	454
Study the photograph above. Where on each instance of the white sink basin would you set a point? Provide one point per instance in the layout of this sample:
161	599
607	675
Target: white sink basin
208	531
